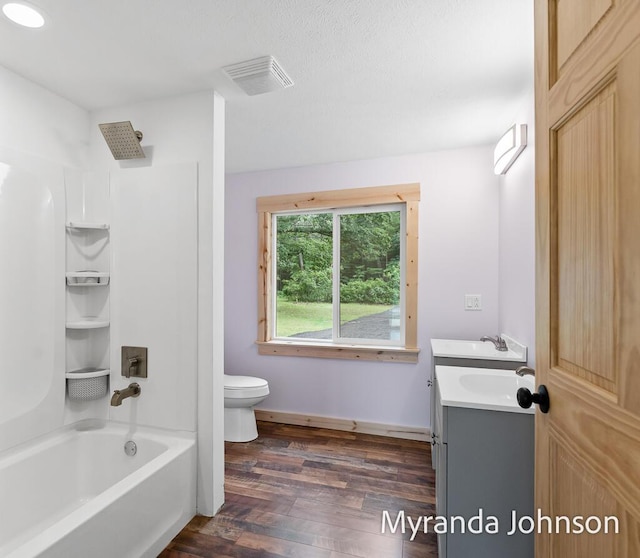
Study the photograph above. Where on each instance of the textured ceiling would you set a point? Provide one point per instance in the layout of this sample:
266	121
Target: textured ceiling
372	78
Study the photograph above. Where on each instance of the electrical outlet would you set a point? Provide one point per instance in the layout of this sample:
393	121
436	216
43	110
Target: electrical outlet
473	302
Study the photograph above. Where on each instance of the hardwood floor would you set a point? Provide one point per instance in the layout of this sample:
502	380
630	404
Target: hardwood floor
309	492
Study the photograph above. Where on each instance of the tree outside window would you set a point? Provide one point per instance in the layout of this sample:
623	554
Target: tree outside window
337	275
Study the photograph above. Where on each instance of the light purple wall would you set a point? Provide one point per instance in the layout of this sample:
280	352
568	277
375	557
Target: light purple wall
517	241
458	246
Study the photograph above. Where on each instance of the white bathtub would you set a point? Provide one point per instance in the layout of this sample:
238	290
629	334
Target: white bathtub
75	493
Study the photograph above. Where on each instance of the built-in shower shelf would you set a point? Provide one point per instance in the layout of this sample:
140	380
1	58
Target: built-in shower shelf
88	323
87	278
87	225
87	384
86	373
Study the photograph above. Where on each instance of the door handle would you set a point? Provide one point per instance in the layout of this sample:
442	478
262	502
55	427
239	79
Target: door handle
541	398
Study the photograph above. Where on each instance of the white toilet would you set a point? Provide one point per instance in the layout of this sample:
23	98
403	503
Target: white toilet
241	395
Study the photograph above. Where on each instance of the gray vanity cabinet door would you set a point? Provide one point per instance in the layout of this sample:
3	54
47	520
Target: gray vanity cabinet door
469	363
489	464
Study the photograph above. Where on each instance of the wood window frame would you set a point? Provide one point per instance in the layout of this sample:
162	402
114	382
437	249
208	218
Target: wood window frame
408	194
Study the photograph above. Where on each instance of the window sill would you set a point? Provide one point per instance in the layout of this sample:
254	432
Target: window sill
351	352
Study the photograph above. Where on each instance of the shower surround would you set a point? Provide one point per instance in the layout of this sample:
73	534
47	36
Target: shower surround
159	246
31	297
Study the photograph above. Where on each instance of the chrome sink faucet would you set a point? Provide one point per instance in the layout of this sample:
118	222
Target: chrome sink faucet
120	394
499	343
525	371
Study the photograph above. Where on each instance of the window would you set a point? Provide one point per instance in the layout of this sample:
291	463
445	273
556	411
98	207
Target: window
338	274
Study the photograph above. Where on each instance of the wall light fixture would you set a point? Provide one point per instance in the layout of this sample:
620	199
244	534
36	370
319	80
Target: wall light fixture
510	145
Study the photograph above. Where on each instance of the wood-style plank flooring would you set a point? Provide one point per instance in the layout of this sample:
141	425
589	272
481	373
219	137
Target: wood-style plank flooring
309	492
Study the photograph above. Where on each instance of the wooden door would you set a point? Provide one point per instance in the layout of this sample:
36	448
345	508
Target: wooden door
588	273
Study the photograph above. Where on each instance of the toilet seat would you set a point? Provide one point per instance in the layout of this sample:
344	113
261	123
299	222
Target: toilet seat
242	387
243	382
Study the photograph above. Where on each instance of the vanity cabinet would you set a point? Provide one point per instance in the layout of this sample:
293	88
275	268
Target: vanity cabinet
485	468
475	354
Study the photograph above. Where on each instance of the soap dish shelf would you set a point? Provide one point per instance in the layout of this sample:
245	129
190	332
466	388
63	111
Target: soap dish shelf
87	225
87	278
85	373
87	384
88	323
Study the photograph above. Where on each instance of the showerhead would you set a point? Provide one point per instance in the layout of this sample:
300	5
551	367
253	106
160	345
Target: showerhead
123	140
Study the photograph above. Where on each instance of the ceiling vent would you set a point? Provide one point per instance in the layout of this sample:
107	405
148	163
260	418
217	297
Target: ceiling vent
259	75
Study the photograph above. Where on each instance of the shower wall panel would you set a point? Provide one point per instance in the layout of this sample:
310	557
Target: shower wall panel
31	297
154	290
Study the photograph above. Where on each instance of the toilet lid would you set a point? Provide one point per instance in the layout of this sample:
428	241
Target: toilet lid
243	382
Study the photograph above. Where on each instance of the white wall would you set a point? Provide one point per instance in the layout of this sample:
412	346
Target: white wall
154	286
211	326
181	130
35	121
517	240
40	134
31	297
458	249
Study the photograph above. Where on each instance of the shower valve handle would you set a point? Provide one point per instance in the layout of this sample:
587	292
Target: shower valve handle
133	364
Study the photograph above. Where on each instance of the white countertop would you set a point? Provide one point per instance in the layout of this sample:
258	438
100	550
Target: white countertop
483	350
482	388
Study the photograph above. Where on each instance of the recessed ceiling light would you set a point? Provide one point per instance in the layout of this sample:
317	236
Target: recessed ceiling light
23	14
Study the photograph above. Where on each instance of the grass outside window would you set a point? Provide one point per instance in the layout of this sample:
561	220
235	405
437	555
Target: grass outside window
296	317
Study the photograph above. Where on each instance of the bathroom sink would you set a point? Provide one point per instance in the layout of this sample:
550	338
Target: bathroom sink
497	385
458	348
482	388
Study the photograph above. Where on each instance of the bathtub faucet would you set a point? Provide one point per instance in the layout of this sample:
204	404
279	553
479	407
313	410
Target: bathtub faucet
499	343
118	395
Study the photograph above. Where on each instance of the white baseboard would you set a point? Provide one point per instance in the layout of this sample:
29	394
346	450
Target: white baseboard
376	428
